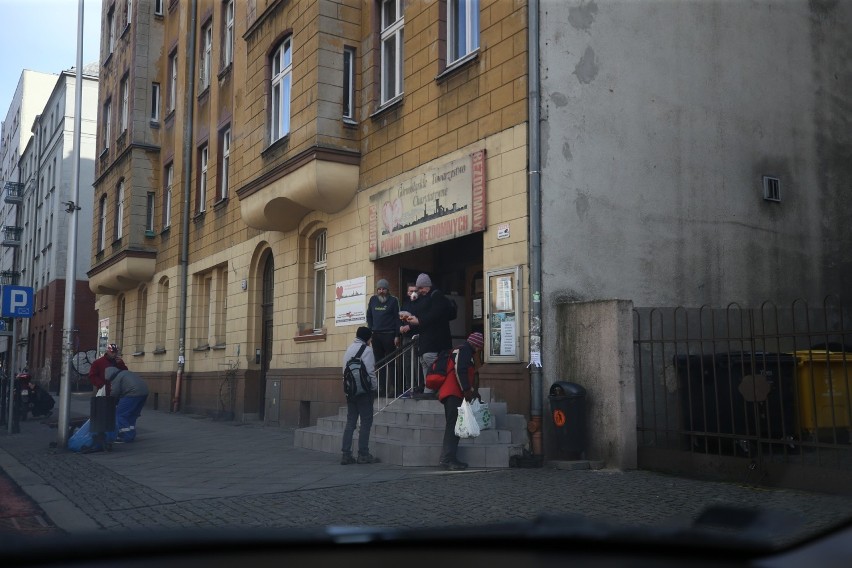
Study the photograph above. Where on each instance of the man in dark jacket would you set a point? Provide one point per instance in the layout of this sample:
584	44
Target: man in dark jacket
383	321
432	323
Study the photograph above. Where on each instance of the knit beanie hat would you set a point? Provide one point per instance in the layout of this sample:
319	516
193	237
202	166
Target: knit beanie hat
383	284
476	340
423	281
364	334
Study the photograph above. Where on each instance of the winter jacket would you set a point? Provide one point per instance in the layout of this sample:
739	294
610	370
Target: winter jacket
125	383
433	313
460	379
97	371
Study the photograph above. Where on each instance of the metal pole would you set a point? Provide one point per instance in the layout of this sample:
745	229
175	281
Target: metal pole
12	373
187	176
535	227
71	266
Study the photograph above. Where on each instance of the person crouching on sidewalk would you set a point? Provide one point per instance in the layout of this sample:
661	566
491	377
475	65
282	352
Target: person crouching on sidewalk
131	392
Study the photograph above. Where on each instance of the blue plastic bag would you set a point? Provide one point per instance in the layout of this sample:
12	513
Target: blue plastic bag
82	440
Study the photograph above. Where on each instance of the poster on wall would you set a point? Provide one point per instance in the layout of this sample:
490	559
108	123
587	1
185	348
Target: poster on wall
503	314
438	204
350	302
103	336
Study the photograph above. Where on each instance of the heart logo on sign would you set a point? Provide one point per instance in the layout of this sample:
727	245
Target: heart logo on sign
392	214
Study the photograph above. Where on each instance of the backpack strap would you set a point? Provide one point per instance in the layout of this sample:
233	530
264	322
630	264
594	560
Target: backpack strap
360	351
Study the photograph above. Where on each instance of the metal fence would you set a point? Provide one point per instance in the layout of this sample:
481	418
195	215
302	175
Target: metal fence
770	384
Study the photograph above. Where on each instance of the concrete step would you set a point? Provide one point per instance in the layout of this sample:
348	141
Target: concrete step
410	432
422	454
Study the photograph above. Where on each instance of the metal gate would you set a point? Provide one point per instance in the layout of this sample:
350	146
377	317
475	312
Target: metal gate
759	394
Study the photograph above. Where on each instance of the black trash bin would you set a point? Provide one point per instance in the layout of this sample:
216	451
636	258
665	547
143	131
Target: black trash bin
731	400
568	411
102	416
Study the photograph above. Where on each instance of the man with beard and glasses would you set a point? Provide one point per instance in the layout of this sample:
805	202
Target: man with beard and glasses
383	321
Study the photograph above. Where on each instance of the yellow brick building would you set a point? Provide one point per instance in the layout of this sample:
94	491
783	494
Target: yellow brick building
258	156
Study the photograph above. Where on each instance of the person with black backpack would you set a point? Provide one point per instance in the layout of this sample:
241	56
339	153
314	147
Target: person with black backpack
359	385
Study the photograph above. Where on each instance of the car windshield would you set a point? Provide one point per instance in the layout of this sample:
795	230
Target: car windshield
364	270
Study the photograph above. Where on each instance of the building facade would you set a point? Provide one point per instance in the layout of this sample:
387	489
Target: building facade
28	101
262	164
47	181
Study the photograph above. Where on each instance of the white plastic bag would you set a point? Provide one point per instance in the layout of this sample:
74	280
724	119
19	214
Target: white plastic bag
483	416
101	391
466	426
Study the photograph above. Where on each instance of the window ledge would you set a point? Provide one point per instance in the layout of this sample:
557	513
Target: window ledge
159	350
204	93
150	234
309	337
393	103
349	122
280	143
166	230
458	64
104	153
225	71
125	30
138	354
202	348
198	216
170	116
218	346
154	123
221	203
108	58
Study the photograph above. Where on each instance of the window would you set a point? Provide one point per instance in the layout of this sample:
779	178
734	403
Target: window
282	67
201	197
349	83
119	212
119	324
319	279
149	212
158	7
203	320
125	94
206	56
107	123
462	28
129	12
102	225
173	75
224	162
141	319
155	102
111	30
167	196
162	315
391	54
228	42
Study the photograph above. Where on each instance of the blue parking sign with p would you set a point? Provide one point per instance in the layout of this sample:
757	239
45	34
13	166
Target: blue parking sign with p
17	302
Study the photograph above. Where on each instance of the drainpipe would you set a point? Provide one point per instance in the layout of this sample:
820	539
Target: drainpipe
187	177
535	229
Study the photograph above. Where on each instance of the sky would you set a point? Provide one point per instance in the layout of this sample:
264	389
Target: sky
41	35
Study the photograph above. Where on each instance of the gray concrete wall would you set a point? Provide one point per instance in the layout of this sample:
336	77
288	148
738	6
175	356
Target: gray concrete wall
659	121
595	350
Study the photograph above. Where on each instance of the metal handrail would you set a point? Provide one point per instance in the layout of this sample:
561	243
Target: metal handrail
397	374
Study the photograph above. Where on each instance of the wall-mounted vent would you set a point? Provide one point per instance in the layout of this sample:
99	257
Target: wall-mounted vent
771	188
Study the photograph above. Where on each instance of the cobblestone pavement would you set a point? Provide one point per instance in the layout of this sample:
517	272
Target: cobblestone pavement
187	471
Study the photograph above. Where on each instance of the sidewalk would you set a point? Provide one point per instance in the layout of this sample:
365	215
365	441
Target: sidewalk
186	471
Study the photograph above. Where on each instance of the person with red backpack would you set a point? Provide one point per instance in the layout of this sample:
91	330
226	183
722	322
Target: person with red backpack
455	385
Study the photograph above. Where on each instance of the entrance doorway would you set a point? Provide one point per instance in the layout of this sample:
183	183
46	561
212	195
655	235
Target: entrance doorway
455	268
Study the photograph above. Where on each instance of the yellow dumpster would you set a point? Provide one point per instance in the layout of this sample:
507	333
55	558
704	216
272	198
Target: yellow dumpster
823	379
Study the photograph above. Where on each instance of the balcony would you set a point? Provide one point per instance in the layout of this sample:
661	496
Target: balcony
12	236
14	193
319	179
9	278
124	271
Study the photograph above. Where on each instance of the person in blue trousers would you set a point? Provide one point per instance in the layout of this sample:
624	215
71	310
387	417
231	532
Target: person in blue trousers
131	392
